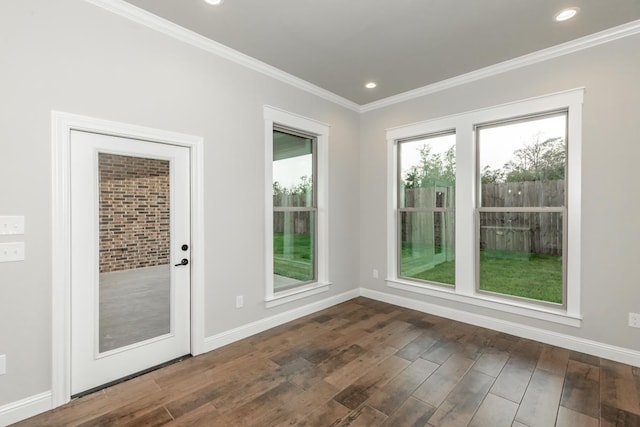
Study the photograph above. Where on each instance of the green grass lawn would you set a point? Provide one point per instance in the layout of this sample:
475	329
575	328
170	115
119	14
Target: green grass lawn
297	265
525	275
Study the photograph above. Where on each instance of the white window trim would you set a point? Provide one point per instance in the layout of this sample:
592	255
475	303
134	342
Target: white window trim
465	205
275	116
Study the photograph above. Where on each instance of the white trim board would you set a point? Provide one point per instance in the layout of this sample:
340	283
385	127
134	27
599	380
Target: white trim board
140	16
25	408
275	116
61	126
244	331
606	351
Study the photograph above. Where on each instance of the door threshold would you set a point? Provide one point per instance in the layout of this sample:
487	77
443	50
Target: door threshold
130	377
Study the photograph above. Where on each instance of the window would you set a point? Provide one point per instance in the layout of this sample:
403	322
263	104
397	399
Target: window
294	209
515	203
296	206
426	198
521	205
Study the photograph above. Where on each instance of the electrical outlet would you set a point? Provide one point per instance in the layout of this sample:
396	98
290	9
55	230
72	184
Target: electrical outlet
12	251
239	301
634	320
3	364
375	273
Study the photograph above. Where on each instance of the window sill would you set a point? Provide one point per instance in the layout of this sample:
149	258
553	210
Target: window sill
290	295
508	306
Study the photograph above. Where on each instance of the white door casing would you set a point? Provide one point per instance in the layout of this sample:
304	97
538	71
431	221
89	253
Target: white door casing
63	124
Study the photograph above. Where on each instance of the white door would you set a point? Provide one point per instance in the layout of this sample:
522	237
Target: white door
130	246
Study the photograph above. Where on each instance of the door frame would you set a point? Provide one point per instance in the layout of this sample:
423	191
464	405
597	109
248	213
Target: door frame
61	126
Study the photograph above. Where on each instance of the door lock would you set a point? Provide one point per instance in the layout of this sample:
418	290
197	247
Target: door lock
185	247
183	262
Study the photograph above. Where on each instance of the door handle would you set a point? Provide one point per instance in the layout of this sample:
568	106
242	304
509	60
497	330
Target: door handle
183	262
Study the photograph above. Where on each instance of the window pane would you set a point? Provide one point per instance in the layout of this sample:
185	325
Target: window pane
427	172
292	170
427	246
522	164
293	248
521	254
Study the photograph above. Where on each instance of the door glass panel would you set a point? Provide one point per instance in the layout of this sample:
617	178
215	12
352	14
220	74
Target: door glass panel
135	279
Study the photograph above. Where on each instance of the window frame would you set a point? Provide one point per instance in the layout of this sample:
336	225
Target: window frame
314	200
467	177
278	119
563	210
401	209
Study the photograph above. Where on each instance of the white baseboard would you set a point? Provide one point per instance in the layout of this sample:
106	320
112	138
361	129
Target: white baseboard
25	408
244	331
606	351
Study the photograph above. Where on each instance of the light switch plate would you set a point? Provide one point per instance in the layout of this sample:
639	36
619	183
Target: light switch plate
3	364
13	251
634	320
11	225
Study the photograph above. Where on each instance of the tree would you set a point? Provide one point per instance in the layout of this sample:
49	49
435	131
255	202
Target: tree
278	189
433	169
303	187
536	161
492	176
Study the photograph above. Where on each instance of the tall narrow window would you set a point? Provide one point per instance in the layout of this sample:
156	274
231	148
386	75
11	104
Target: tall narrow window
296	201
294	209
522	207
426	197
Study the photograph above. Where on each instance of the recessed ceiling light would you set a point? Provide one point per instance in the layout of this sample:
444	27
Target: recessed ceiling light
566	14
370	85
214	2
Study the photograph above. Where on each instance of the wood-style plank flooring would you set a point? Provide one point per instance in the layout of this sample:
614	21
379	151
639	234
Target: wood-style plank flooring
366	363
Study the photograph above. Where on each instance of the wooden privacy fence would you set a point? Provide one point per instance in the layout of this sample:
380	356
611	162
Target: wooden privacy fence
527	232
525	194
292	222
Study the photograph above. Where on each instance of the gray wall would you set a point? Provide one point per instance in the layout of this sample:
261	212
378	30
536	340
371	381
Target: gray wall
610	200
71	56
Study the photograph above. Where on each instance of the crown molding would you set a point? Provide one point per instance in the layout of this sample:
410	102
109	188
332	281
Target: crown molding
140	16
576	45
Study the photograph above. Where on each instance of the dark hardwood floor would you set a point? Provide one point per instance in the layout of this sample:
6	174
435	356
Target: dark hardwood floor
366	363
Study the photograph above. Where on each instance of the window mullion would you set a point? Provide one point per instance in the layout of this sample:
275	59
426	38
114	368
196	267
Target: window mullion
465	204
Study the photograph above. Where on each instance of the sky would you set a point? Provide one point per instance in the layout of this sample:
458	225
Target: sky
288	171
497	144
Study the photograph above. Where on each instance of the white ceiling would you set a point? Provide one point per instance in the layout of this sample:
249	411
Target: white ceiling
339	45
